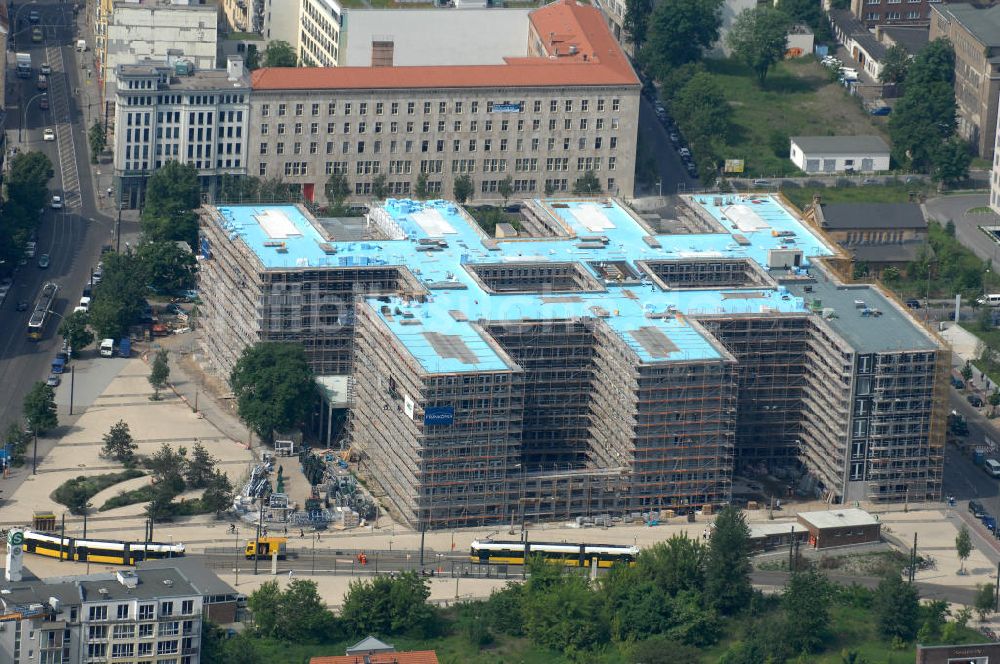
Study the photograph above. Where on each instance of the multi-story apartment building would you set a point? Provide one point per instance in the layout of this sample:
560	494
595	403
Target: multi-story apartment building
268	19
975	33
152	615
588	365
893	12
567	106
167	112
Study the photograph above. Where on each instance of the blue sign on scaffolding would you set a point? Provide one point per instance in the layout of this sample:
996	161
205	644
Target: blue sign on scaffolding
439	416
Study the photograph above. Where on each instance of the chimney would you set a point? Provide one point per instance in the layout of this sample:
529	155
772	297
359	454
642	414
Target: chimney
383	51
234	66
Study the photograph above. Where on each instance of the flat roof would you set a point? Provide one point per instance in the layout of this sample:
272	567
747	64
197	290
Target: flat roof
435	37
842	144
577	48
873	215
201	578
838	518
657	325
772	528
983	23
199	79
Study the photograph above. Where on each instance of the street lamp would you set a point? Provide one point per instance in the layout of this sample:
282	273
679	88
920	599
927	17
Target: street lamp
24	114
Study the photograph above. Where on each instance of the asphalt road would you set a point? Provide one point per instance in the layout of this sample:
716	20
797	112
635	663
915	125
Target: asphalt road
673	176
73	236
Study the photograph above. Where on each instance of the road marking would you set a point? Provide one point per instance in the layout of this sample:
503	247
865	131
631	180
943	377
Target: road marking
65	142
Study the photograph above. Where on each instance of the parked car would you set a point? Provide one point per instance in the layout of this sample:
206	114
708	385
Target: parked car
34	16
958	383
692	169
43	261
53	380
36	35
46	68
913	303
870	181
976	508
975	400
761	183
49	135
57	202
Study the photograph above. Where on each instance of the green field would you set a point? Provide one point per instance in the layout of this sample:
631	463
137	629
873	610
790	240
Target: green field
897	192
798	99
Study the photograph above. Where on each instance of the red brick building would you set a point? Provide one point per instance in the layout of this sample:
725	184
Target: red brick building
831	528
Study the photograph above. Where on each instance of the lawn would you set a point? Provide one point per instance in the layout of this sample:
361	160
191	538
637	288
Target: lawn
797	99
851	192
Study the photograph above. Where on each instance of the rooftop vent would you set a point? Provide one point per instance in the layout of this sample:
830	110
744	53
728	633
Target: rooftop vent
127	578
168	582
103	592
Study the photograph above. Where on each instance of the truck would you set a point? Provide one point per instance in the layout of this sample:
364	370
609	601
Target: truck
124	347
264	547
108	348
23	65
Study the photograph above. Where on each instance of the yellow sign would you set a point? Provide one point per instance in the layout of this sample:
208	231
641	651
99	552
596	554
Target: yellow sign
734	166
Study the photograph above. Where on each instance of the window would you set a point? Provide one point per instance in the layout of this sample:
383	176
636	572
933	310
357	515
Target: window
299	108
167	609
298	127
281	128
145	649
265	110
331	108
394	108
315	109
169	628
378	107
98	613
363	108
410	107
166	647
583	105
553	106
146	631
262	169
569	105
122	650
282	110
122	611
263	129
427	107
347	108
600	105
613	143
615	105
458	107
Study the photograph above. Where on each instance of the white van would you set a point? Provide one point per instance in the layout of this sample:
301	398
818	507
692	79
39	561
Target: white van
992	467
81	45
993	300
108	348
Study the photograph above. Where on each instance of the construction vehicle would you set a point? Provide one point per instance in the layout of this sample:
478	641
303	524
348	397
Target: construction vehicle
266	547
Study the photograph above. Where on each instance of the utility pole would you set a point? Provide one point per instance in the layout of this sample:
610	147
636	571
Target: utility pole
913	559
423	532
72	376
236	567
34	455
996	589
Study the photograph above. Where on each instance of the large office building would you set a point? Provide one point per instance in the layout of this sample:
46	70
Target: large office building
565	106
152	615
173	112
587	364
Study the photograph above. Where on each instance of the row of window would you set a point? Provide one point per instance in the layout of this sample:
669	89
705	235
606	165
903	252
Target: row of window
583	124
441	107
487	145
371	167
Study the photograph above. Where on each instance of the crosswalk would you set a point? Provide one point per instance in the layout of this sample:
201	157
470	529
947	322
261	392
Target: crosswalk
65	142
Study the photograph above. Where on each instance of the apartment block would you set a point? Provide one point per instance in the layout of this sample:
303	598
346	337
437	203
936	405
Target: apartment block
893	12
169	112
589	364
149	615
267	19
974	31
566	106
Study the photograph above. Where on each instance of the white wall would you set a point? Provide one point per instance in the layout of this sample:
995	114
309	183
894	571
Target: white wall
841	162
149	31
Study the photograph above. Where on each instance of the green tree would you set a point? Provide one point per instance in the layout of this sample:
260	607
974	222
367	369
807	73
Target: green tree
380	187
167	466
421	190
200	467
759	37
463	188
237	189
951	159
587	184
808	13
897	608
700	107
159	372
562	611
296	614
280	54
337	189
994	400
635	23
252	61
806	602
661	650
119	444
98	140
679	32
73	329
274	387
166	266
675	565
276	190
40	408
28	180
389	605
16	440
173	191
727	570
550	189
506	188
119	298
963	547
967	371
895	65
985	600
218	495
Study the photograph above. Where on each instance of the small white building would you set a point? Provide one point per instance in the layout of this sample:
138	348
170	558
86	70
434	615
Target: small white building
840	154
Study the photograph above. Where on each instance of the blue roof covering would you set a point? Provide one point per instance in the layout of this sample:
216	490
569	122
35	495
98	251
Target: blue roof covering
282	237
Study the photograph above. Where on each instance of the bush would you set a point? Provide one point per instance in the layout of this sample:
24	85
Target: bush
77	492
140	495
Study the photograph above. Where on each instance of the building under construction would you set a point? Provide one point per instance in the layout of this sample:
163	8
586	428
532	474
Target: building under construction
587	365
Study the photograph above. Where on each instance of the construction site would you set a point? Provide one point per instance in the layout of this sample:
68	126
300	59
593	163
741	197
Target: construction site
586	366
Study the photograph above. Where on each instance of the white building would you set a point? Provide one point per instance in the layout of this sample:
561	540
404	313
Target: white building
160	29
270	19
169	113
149	615
840	154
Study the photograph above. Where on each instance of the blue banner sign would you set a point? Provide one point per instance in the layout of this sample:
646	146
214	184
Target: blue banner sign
439	416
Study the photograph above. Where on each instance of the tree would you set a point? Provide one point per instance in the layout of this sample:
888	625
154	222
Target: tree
985	600
806	603
166	266
280	54
505	188
897	608
276	190
119	298
701	108
587	184
660	650
674	566
421	190
561	611
809	13
200	468
463	188
967	371
963	547
380	187
218	495
951	159
40	408
550	188
237	189
759	37
98	140
119	445
73	329
159	372
679	32
252	61
388	605
635	23
173	191
895	65
167	467
16	440
296	614
337	189
274	387
727	571
994	400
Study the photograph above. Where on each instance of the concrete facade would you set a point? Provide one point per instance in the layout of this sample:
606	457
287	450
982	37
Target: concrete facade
153	30
268	19
975	34
839	154
163	114
892	12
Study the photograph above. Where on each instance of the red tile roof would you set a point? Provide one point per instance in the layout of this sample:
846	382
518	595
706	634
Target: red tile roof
570	45
413	657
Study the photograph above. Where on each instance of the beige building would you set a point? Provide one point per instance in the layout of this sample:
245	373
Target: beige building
567	106
975	33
